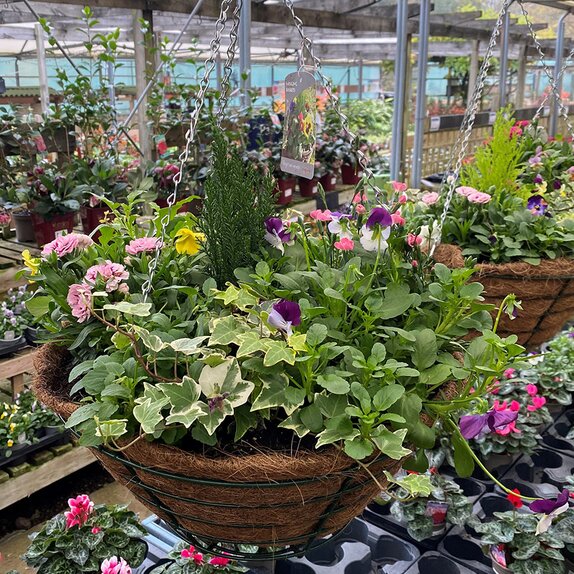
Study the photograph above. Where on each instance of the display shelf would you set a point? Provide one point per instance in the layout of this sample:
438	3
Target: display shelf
14	368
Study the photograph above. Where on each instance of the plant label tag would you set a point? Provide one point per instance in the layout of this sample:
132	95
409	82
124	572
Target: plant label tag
434	123
333	181
437	511
298	147
498	553
161	145
60	233
275	120
491	118
288	192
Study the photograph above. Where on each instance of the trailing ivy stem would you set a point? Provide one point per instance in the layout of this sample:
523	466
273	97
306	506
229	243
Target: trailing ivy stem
477	460
366	469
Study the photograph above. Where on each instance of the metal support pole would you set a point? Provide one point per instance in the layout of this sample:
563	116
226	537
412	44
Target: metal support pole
141	69
555	108
218	71
111	84
42	71
521	80
420	111
245	52
361	79
504	60
399	104
473	69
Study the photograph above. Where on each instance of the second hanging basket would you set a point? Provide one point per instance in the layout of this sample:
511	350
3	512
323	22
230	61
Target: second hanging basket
546	292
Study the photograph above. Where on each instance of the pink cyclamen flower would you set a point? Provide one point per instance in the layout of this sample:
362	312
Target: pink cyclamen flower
509	373
115	565
399	186
360	209
96	530
397	218
413	239
430	198
219	561
499	406
319	215
188	552
514	406
344	244
111	273
465	190
80	300
531	389
198	558
80	509
515	131
479	197
142	245
65	244
509	428
537	403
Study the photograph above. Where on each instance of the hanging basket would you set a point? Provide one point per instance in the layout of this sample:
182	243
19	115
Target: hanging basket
270	498
546	292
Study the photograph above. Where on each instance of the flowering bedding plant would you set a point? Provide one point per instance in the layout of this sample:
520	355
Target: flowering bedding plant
498	213
260	330
88	538
531	543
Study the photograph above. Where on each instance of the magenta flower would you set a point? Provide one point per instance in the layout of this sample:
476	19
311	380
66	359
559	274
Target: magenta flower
360	209
284	315
111	273
509	428
509	373
276	234
116	565
531	389
379	216
399	186
142	245
397	218
188	552
65	244
413	240
537	403
473	426
538	179
80	300
219	561
80	509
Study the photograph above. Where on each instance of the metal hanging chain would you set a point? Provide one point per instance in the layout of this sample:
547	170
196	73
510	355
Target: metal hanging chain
468	122
552	81
189	137
228	66
307	44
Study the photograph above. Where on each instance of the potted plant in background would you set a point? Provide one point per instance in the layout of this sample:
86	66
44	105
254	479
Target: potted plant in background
530	543
351	172
96	179
15	301
5	221
89	538
430	514
185	559
11	330
285	187
309	187
163	173
329	156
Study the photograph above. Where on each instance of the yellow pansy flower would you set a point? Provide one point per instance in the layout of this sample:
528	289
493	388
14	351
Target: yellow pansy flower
33	263
12	427
9	443
3	415
187	241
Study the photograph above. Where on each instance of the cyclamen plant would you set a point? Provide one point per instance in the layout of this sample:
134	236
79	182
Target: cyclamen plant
185	559
88	538
340	332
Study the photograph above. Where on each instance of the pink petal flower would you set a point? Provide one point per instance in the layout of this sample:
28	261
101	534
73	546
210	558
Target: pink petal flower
96	530
111	273
479	197
360	198
509	373
415	263
319	215
397	219
531	389
514	406
114	565
413	239
66	244
219	561
537	403
344	244
80	301
498	406
142	245
399	186
360	209
430	198
403	199
466	190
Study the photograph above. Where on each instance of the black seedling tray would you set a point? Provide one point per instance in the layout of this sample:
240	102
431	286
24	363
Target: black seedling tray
21	453
461	546
436	563
555	436
472	487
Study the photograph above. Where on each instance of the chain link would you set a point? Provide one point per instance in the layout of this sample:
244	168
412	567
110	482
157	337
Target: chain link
189	137
463	140
307	44
551	79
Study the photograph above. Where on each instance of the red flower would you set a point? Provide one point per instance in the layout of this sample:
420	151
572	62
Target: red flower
514	498
219	561
188	552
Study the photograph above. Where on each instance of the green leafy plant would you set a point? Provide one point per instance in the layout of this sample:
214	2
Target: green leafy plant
81	539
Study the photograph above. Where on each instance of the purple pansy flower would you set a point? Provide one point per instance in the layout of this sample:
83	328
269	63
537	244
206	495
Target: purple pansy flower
276	234
284	315
557	184
537	205
551	509
472	426
381	216
538	179
536	159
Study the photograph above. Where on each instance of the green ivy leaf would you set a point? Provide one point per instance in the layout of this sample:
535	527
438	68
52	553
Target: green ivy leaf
391	443
278	352
334	384
358	448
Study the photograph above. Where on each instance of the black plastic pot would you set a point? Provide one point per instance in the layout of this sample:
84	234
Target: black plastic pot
11	346
24	227
555	435
545	471
31	336
21	453
391	554
463	548
435	563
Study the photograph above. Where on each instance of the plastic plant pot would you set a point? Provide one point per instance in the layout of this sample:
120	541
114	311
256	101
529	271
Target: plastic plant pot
24	227
9	346
434	563
467	550
284	190
308	187
328	181
47	230
391	554
350	174
92	217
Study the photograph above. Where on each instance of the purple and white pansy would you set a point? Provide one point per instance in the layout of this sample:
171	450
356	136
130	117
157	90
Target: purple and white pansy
284	315
277	234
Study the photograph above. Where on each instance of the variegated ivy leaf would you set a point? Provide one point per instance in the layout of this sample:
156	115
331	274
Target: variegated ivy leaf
239	297
298	342
224	381
152	342
225	330
181	395
391	443
250	343
414	484
111	429
137	309
277	352
148	412
276	392
187	346
294	423
188	415
216	416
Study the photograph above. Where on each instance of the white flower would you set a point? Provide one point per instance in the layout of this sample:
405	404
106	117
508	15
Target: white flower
429	238
546	521
339	225
371	243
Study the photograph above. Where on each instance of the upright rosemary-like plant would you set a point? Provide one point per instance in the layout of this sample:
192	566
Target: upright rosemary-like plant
238	200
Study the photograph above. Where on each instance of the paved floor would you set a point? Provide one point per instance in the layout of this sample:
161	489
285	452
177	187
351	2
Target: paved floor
13	545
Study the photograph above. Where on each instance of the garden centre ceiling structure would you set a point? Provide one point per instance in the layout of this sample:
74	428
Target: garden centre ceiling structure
342	30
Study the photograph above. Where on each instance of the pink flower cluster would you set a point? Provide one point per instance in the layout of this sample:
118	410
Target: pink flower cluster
430	198
319	215
142	245
504	406
473	195
115	566
190	553
112	274
344	244
537	401
65	244
80	301
4	218
413	240
80	509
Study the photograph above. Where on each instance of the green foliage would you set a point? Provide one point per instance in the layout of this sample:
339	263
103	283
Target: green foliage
369	119
78	549
237	203
496	166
